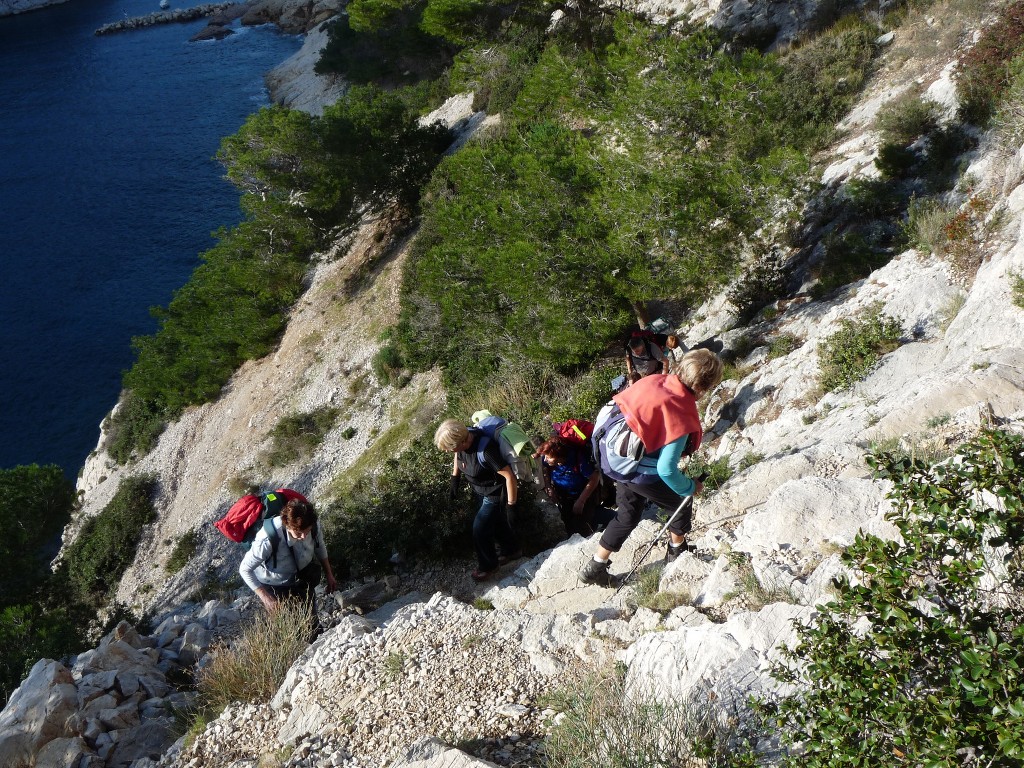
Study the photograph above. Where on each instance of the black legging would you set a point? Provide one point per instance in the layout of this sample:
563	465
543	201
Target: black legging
631	498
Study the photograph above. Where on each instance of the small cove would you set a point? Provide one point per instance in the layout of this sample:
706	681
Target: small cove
108	194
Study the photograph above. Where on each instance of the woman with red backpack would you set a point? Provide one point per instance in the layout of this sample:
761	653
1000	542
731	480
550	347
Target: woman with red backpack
572	482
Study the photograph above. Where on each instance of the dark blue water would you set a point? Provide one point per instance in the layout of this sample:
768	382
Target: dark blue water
108	193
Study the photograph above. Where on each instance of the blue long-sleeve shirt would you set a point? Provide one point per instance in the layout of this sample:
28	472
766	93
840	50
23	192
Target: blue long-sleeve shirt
664	463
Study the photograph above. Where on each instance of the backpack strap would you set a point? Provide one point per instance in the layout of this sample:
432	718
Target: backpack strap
274	539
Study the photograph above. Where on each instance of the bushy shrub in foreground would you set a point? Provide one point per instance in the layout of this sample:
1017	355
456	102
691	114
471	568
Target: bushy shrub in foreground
920	660
849	354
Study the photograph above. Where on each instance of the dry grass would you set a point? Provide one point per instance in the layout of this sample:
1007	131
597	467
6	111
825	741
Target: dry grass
604	724
253	667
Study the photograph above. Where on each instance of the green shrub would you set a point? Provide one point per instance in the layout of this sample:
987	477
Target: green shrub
918	660
718	472
782	345
984	71
603	723
906	119
849	354
848	257
184	550
563	234
35	503
822	77
296	436
387	364
496	72
106	544
925	229
1017	289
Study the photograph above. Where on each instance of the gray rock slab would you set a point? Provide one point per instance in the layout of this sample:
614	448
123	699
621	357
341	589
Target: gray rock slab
37	713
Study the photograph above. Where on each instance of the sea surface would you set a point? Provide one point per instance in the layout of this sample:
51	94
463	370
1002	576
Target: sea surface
108	194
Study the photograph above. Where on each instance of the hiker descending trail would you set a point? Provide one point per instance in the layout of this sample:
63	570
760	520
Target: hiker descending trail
639	439
480	460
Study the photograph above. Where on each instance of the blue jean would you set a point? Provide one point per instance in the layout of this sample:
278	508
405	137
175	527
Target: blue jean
491	523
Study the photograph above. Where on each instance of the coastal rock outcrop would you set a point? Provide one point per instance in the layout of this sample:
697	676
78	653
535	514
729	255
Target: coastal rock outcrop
12	7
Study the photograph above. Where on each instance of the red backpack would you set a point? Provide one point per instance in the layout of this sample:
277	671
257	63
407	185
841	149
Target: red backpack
576	431
242	522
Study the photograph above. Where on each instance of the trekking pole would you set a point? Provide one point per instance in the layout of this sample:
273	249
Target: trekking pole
686	503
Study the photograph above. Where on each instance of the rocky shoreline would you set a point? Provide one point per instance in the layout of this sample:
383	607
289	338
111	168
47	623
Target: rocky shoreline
177	16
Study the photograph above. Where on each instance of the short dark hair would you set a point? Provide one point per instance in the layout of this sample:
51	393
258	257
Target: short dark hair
298	514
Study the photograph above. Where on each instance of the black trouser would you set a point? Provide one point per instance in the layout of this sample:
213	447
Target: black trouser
631	498
306	580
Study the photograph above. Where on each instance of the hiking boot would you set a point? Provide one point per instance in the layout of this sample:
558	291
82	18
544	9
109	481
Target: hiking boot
594	572
479	575
675	550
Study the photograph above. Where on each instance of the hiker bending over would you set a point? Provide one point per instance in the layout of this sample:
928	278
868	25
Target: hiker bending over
479	460
287	566
572	481
643	358
662	411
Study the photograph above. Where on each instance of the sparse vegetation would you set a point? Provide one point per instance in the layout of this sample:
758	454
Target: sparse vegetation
603	723
184	550
296	436
986	70
849	354
1017	289
252	667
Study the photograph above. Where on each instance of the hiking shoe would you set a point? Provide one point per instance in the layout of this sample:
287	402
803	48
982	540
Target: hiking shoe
675	550
506	559
479	575
594	572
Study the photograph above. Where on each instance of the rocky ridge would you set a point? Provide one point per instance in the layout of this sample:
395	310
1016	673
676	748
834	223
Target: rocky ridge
765	544
12	7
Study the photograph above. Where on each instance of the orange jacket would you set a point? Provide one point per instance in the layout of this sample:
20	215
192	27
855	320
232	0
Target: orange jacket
660	409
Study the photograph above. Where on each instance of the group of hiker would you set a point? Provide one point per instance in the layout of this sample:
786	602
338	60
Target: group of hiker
638	440
632	451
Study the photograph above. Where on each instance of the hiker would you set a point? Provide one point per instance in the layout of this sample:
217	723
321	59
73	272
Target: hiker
287	567
661	410
674	350
572	483
493	480
643	358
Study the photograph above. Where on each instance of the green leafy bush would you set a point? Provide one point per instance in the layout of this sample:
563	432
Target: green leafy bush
184	550
927	219
918	661
552	237
987	69
849	354
106	544
906	119
296	436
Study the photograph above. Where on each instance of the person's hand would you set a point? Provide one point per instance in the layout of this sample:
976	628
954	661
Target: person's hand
267	598
453	487
577	508
332	585
700	487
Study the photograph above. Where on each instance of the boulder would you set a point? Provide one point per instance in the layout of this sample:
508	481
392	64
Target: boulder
211	32
195	642
38	712
61	753
433	753
148	740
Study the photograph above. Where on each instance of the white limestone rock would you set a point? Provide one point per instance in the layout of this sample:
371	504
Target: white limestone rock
39	711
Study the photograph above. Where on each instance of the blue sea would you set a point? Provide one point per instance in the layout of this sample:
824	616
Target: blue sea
108	194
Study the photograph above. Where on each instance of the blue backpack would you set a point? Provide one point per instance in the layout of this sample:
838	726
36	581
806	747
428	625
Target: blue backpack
618	448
